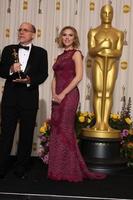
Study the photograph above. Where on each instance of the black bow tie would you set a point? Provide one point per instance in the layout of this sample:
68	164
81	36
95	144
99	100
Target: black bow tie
23	47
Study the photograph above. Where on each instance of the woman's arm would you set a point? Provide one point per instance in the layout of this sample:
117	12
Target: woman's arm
53	86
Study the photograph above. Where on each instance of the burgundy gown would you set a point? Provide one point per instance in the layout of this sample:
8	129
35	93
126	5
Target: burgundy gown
65	160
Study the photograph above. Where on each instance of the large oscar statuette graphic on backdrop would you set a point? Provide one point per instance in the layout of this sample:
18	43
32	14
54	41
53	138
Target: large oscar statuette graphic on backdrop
101	143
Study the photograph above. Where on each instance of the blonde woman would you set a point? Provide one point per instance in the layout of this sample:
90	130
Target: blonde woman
65	160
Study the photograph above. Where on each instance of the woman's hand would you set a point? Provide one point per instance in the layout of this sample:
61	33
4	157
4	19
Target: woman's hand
58	98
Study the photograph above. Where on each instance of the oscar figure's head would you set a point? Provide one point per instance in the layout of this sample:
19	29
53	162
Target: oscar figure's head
107	14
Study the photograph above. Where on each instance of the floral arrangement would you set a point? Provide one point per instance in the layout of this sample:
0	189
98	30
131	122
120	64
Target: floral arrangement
127	146
84	120
44	134
121	121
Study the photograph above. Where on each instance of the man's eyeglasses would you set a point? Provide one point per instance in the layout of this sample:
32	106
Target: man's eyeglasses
24	30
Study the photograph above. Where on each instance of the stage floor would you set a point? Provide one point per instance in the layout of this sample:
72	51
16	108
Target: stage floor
36	186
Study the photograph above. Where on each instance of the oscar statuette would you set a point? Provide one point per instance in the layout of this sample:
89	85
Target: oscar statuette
20	74
16	60
101	143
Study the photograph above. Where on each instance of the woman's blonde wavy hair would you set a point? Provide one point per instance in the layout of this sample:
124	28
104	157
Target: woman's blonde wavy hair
76	42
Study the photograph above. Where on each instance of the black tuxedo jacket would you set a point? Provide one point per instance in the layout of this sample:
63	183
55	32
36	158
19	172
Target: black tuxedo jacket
17	94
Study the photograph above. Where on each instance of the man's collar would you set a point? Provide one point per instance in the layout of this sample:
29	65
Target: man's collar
26	47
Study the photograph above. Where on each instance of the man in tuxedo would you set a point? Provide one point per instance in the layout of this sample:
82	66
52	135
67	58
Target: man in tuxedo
24	66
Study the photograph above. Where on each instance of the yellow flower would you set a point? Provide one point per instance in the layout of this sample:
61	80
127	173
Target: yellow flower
81	119
89	120
85	114
44	128
115	116
118	116
128	120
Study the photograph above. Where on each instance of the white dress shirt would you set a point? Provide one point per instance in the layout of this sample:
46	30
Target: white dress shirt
24	56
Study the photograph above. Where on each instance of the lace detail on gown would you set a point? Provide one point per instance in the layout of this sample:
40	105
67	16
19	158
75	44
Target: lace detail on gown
65	160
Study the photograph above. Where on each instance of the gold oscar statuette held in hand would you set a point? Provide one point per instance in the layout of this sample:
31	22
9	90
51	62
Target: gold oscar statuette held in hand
16	60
